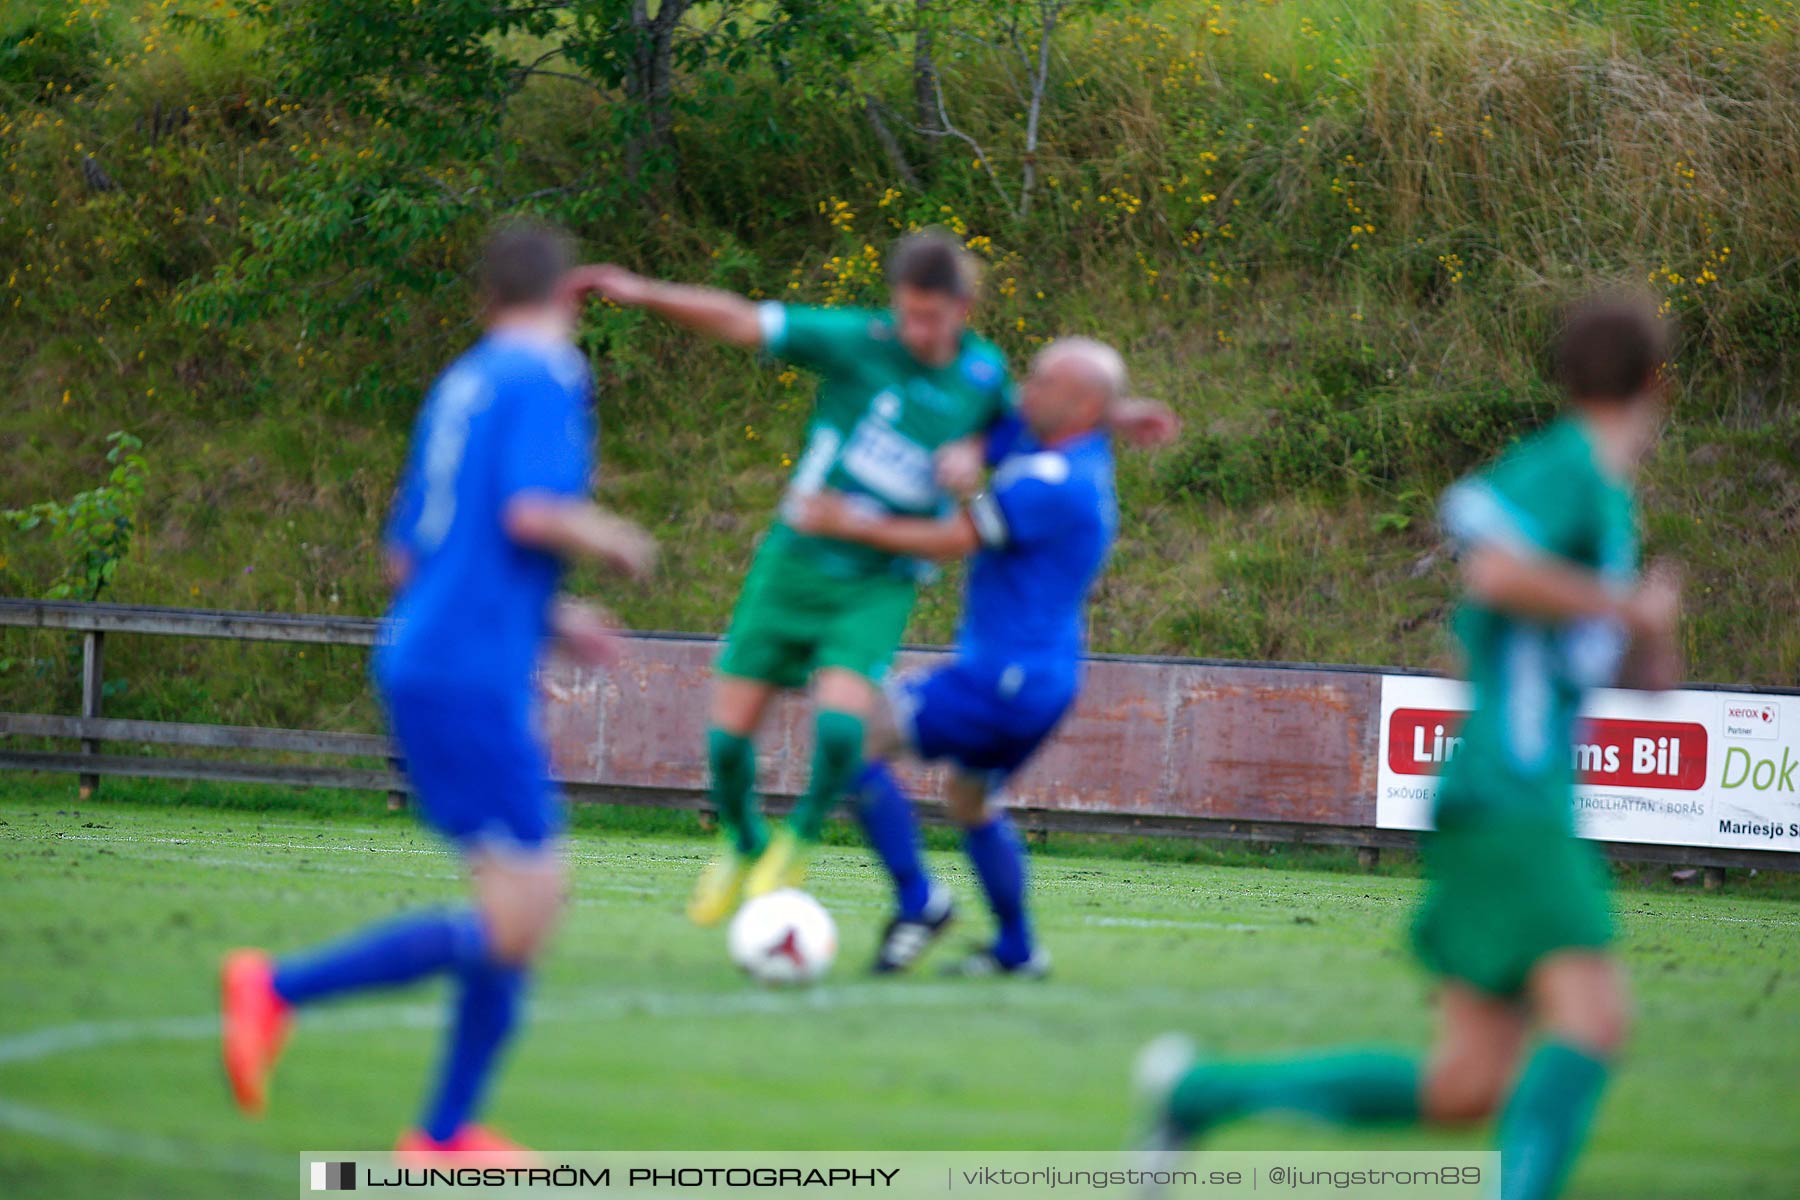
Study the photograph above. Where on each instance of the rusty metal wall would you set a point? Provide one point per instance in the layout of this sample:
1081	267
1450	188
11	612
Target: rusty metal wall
1148	738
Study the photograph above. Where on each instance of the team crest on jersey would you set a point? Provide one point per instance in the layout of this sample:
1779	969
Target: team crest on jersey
887	406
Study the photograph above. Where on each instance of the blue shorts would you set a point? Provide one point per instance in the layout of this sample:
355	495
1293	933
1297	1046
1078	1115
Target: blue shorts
986	722
481	774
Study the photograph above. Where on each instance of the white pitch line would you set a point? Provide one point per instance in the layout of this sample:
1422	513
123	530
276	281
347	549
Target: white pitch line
38	1044
139	1147
49	1041
1171	923
823	869
638	891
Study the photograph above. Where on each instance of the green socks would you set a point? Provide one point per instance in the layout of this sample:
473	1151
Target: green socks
733	762
837	755
1348	1087
1544	1125
1546	1120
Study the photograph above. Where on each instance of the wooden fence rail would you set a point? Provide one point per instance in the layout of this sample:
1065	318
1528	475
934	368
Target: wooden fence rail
95	621
1272	752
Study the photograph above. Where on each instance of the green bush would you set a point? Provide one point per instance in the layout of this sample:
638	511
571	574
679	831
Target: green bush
1379	438
41	54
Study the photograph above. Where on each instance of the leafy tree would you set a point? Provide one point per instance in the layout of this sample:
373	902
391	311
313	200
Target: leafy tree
433	84
1018	39
92	530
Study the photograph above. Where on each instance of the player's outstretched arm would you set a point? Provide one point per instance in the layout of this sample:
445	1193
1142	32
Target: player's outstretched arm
396	567
712	311
826	514
1653	660
586	632
1548	589
1143	423
572	528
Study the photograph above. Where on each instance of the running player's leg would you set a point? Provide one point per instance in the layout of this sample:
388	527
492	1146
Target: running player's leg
885	811
520	893
1477	1051
856	627
1347	1086
738	707
843	700
997	853
771	646
1479	1041
923	908
1480	1038
483	782
1579	1000
739	703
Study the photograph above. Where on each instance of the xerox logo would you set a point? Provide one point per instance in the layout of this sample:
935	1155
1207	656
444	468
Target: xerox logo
334	1177
1749	719
1620	753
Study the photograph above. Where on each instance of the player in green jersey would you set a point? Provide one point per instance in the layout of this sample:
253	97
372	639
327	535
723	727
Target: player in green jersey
895	386
1514	924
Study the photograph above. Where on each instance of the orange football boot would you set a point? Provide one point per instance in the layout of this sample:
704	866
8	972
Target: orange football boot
470	1146
253	1026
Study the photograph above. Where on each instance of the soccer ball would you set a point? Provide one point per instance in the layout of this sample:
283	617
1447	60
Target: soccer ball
785	937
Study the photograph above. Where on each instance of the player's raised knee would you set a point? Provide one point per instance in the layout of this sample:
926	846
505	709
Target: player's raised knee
520	905
1465	1090
1581	999
966	800
1599	1026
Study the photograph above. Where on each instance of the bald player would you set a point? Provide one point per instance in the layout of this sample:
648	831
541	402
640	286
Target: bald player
1039	535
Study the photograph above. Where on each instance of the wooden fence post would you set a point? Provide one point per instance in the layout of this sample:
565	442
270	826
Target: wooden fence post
93	643
396	798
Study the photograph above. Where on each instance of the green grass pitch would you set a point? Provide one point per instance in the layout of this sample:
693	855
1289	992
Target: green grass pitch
113	915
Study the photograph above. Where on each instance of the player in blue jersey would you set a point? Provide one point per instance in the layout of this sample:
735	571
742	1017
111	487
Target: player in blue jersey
494	500
1040	535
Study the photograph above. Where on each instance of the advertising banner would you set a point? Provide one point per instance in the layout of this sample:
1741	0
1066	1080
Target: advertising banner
1684	768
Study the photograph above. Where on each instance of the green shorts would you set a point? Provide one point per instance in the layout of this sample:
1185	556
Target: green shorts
793	619
1504	892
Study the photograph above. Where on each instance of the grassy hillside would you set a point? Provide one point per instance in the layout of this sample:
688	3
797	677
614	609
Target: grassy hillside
1331	234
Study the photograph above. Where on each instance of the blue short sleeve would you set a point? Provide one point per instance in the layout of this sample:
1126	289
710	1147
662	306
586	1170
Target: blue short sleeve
403	517
1033	500
409	499
547	440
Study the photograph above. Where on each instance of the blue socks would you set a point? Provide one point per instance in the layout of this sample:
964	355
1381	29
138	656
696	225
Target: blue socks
486	1011
999	860
994	850
887	822
388	955
409	949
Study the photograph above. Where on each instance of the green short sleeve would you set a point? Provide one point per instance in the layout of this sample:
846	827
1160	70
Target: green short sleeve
1538	498
826	340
